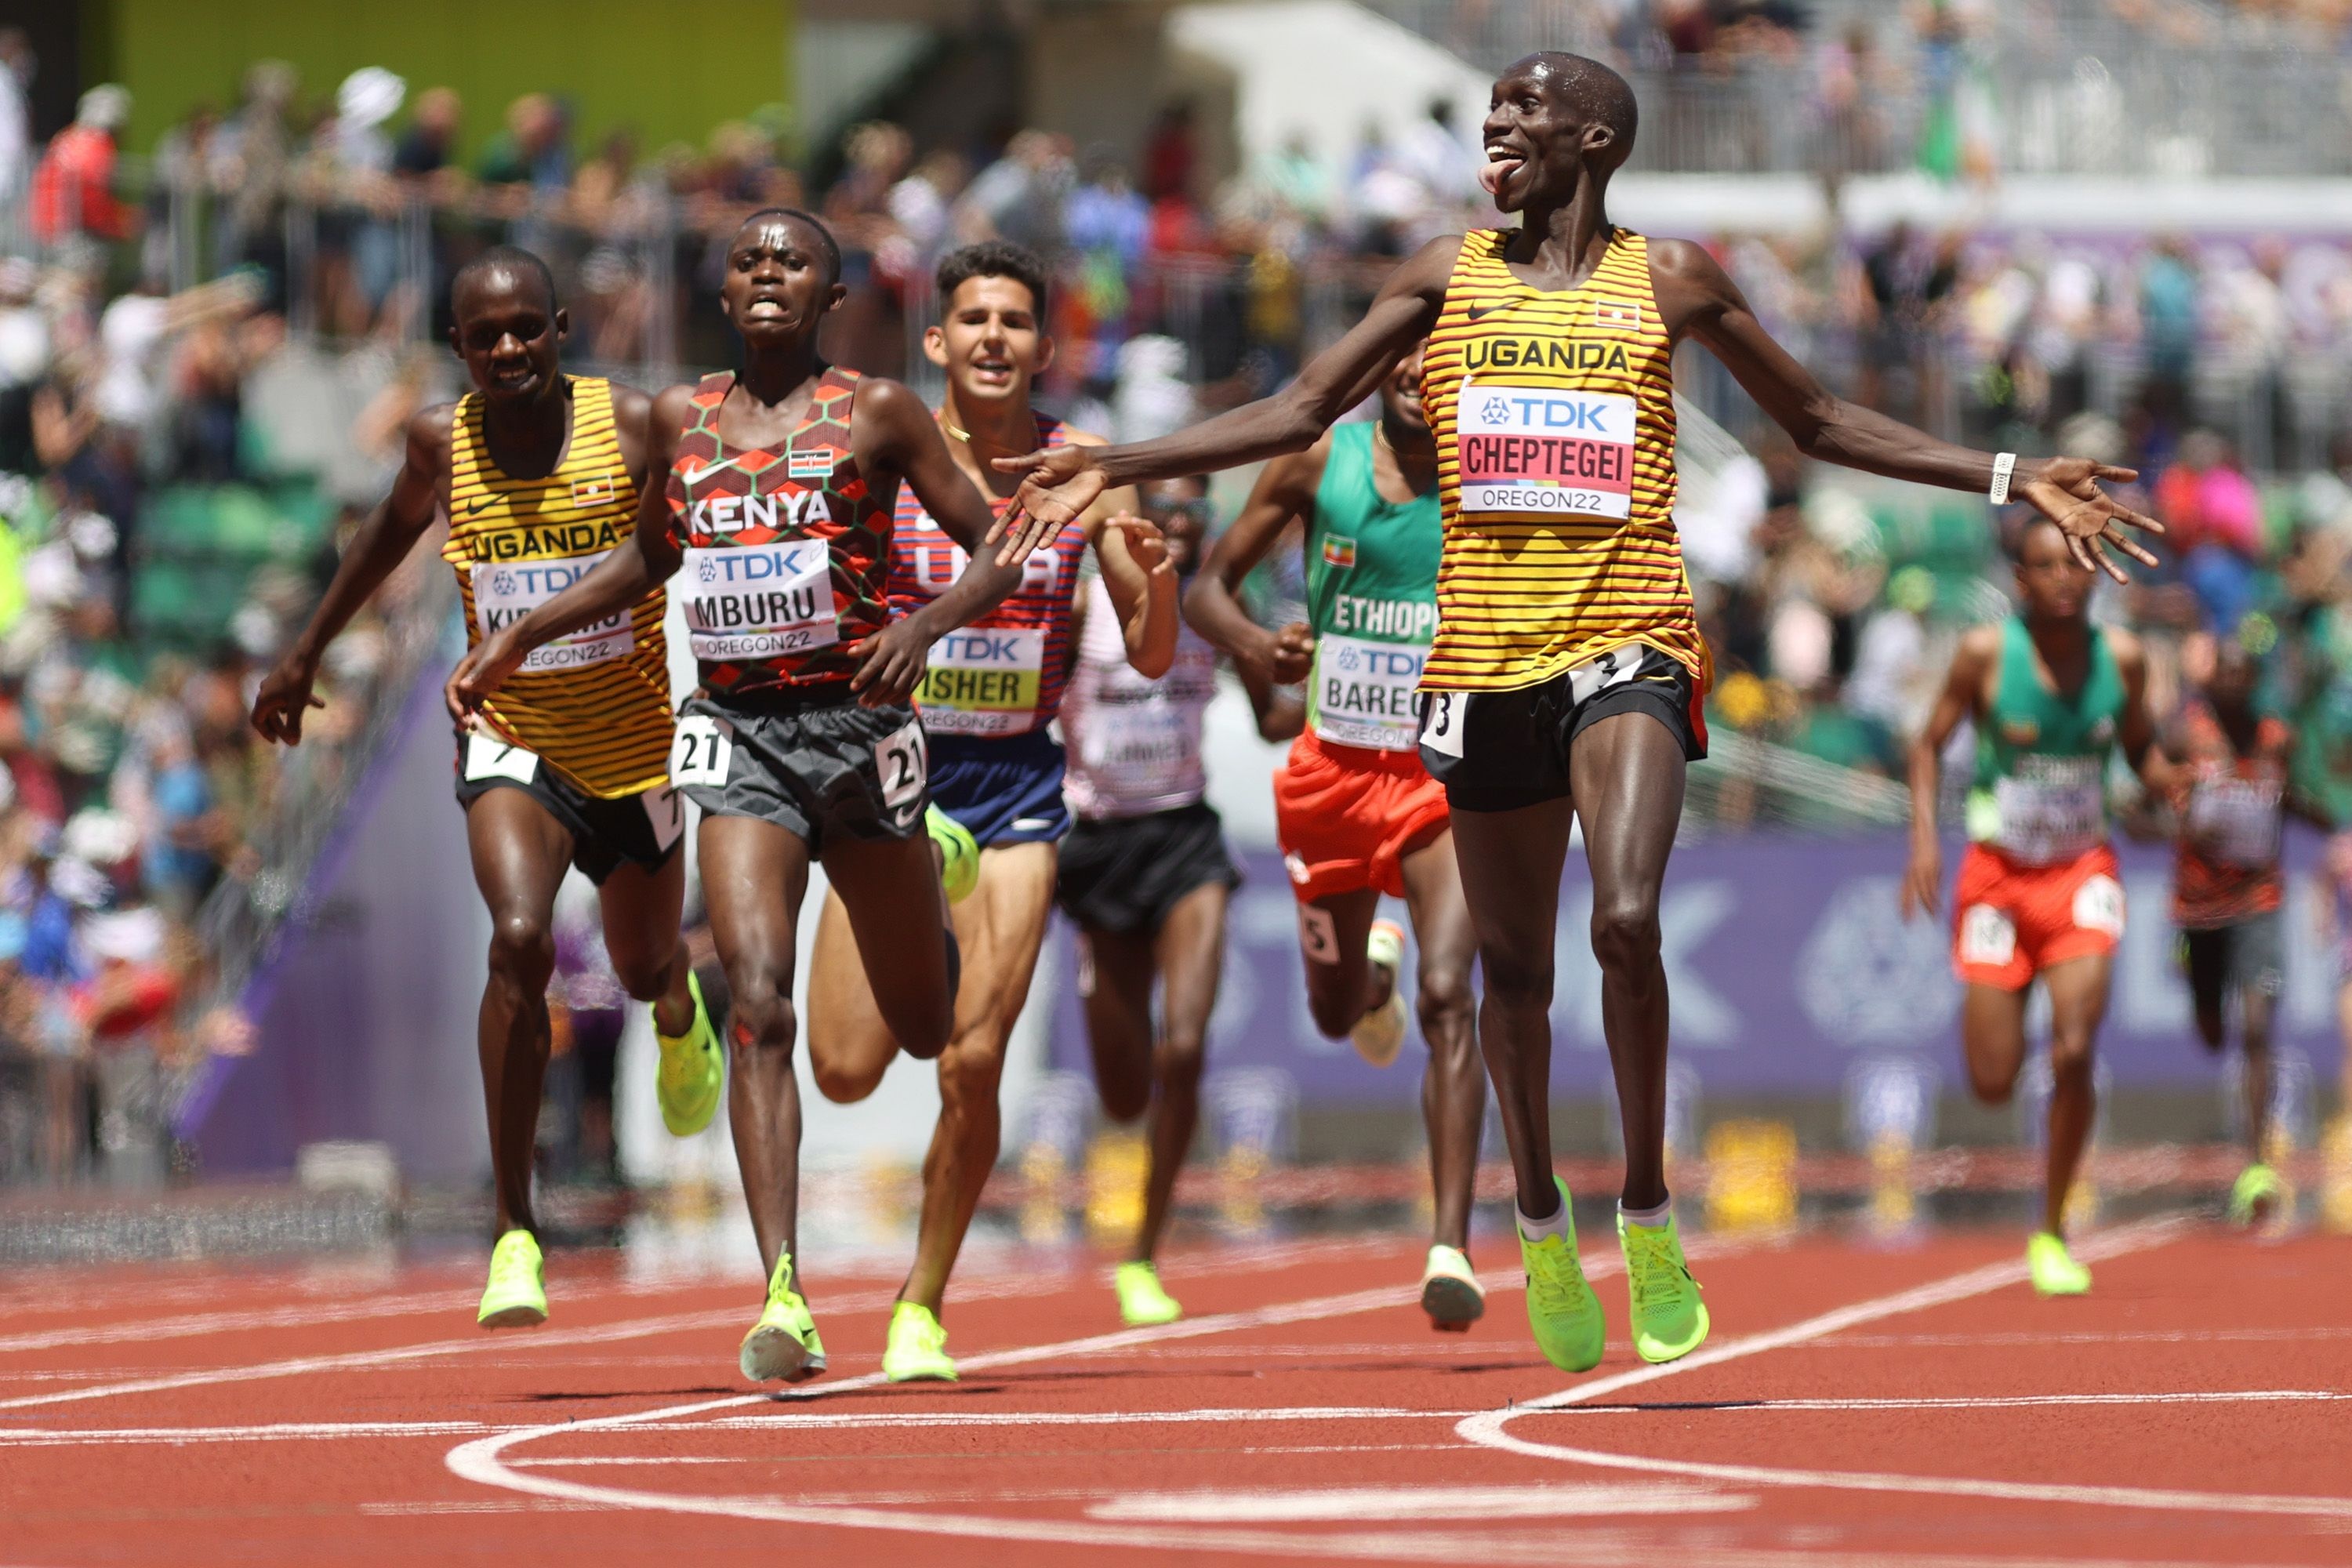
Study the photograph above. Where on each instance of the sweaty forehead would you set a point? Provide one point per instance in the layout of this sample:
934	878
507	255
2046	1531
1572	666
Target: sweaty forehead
775	232
492	288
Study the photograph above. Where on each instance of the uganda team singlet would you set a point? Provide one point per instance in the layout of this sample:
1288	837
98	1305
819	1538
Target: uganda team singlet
1554	414
594	704
1003	673
785	553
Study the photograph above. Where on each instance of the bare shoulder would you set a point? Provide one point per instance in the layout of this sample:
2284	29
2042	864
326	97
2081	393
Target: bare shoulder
1979	646
428	431
1428	270
1686	265
631	407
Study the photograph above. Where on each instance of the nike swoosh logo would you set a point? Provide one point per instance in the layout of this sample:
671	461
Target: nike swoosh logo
1030	824
1480	312
707	469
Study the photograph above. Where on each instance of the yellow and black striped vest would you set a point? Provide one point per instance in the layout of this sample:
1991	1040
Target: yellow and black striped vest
1554	414
594	705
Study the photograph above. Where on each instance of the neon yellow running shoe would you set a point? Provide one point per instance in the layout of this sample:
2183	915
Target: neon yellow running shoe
1378	1035
917	1347
1142	1302
691	1072
1561	1307
959	856
2256	1196
2054	1271
783	1346
1450	1293
1669	1310
516	1297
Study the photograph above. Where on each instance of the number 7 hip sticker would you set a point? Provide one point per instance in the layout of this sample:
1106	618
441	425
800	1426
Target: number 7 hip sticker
700	751
904	763
1442	715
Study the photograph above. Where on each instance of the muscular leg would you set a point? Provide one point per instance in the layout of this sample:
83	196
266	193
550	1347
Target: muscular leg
1191	947
754	876
2078	1001
1992	1039
1627	775
642	910
521	853
1453	1089
1510	863
1122	965
890	890
2257	1013
850	1047
1340	985
1001	927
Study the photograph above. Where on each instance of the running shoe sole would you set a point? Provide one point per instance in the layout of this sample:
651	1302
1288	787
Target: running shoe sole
1453	1305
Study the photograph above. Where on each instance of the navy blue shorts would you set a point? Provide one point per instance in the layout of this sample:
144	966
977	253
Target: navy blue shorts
1002	789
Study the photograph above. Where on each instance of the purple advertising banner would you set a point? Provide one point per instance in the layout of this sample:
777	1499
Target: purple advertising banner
1788	962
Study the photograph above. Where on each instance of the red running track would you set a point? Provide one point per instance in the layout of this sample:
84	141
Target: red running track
1857	1406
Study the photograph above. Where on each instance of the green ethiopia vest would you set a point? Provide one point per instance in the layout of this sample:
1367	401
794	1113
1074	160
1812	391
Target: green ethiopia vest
1371	597
2040	795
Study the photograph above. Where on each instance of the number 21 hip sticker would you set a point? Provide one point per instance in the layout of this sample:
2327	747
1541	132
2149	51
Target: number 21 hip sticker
904	766
700	751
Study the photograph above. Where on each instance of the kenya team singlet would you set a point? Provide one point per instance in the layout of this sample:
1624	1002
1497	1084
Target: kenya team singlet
595	704
1555	421
1001	674
786	552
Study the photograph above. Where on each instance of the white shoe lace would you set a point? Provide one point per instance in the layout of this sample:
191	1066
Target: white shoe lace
1658	1277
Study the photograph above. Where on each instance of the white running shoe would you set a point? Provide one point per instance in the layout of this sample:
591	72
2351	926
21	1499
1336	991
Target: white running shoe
1450	1293
1378	1035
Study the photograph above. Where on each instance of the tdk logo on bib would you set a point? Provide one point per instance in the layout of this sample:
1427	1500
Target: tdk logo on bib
1554	412
506	592
1545	449
734	567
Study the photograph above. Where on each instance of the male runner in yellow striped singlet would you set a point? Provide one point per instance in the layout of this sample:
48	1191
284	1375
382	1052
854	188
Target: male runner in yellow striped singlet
1565	679
539	474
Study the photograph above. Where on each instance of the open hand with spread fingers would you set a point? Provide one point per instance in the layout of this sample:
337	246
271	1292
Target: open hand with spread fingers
2066	491
1057	485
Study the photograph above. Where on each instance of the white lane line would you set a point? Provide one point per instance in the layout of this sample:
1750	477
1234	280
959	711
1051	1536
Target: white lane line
797	1421
235	1322
1227	1505
275	1432
1490	1429
2114	1337
1988	1402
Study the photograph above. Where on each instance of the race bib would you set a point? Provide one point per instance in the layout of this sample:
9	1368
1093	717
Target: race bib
1366	692
2052	809
904	763
983	682
2236	821
507	591
487	757
758	601
1545	449
700	752
1135	748
1597	674
1442	714
665	811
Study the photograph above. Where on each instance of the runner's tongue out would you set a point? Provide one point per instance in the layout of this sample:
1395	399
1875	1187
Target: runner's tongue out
1491	173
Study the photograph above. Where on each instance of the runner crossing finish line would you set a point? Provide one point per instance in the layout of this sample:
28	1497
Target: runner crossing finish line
1564	679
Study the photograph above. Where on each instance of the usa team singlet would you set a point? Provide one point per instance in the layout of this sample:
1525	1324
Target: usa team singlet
594	704
1555	422
786	552
1001	674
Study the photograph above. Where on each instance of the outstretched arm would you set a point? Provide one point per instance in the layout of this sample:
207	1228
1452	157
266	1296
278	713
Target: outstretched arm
1923	878
384	538
625	575
1284	489
1061	482
1699	299
894	433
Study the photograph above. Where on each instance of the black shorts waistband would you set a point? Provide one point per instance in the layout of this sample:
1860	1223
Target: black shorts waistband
781	700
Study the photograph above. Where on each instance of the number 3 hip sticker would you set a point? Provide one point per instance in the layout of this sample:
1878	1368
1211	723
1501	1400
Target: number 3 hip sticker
700	751
900	758
1442	713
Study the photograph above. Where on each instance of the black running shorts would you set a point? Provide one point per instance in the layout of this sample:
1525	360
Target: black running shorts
814	763
641	829
1499	750
1123	874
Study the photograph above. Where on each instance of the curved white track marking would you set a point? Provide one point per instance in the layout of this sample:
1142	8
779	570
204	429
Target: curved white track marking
1232	1505
1490	1429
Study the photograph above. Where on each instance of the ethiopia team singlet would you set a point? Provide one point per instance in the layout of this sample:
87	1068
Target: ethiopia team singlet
1554	414
786	552
1001	674
594	704
2040	795
1372	598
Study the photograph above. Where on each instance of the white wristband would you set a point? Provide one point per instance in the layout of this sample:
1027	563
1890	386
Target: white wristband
2003	467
